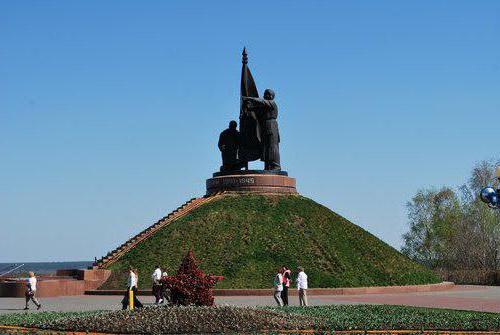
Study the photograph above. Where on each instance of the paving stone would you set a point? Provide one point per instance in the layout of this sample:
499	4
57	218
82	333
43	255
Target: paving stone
478	298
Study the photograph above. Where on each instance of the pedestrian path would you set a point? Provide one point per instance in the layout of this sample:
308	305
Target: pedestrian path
478	298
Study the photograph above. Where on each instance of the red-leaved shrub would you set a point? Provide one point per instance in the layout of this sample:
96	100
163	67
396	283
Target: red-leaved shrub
190	286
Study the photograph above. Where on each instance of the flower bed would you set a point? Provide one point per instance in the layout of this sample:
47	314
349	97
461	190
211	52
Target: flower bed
40	320
154	320
372	317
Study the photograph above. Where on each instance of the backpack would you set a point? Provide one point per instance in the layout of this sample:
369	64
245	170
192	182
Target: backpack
278	281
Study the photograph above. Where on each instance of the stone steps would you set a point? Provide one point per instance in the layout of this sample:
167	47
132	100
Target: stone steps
63	283
180	211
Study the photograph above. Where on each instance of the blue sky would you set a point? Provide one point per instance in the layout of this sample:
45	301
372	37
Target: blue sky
110	111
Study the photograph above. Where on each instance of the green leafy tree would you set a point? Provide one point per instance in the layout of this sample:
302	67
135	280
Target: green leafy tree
432	214
454	230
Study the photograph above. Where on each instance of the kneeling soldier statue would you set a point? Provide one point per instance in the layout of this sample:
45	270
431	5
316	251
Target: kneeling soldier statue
229	143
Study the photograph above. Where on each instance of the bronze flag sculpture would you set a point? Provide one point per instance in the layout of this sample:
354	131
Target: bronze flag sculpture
251	142
258	123
258	138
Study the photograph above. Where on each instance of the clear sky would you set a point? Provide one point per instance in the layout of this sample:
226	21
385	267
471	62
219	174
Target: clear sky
110	110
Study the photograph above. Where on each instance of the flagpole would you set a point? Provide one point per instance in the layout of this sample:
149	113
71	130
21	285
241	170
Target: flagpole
249	125
244	61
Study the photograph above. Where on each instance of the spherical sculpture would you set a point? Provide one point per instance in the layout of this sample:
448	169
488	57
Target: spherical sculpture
494	202
489	196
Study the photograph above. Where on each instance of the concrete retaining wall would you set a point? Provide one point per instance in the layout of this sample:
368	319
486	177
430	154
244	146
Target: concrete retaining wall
65	282
313	291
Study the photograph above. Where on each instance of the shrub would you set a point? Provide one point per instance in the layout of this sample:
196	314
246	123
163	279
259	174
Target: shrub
190	286
470	277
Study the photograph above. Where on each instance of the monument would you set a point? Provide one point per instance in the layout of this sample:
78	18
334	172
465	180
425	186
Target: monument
257	139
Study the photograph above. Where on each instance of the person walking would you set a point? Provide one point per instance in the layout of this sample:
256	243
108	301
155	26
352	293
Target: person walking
164	291
156	276
278	287
132	282
287	279
302	286
31	291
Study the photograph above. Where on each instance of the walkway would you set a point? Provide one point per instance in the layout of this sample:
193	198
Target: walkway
478	298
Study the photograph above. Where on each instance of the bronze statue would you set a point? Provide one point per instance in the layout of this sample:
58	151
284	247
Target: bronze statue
258	123
251	142
266	111
229	143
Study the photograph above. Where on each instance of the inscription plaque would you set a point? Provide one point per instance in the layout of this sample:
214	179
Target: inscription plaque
260	183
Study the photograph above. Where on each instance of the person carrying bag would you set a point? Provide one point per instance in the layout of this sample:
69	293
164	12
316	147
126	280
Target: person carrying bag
131	291
278	287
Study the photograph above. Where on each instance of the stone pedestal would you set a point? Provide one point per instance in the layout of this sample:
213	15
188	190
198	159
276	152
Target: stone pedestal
251	181
65	282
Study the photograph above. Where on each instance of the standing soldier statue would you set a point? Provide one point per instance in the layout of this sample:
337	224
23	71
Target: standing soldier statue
267	114
258	123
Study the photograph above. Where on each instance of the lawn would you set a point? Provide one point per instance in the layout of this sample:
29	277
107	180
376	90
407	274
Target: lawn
246	237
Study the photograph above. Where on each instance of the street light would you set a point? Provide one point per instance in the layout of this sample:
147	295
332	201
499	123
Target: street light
489	195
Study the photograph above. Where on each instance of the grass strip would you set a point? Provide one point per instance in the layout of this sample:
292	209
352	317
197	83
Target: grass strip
387	317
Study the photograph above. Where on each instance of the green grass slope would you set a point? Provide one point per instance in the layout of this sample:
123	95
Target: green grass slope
246	237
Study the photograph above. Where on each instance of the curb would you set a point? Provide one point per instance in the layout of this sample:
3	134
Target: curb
443	286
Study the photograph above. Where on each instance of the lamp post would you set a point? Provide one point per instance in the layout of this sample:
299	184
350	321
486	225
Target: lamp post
489	195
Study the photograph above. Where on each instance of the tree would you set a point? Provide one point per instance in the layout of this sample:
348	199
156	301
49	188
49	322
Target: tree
454	230
432	214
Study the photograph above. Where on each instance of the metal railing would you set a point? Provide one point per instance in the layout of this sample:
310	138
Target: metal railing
15	267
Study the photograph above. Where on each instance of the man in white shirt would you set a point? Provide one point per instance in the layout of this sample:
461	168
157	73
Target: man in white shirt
302	286
31	291
156	276
133	280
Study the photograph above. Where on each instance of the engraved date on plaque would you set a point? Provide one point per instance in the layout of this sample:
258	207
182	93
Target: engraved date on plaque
237	181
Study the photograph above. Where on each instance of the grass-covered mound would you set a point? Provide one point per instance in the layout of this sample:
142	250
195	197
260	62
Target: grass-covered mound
226	319
246	237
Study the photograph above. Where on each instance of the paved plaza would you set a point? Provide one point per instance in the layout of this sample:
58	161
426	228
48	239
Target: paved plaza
477	298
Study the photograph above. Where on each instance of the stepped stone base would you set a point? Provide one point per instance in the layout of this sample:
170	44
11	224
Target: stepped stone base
253	181
65	282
